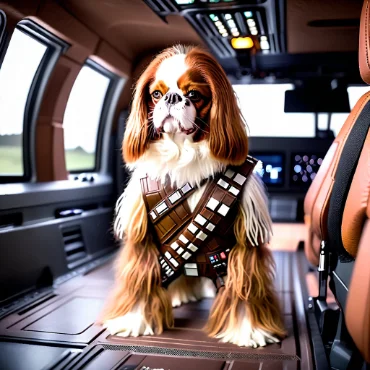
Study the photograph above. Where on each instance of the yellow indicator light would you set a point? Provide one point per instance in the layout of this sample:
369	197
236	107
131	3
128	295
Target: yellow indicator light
242	43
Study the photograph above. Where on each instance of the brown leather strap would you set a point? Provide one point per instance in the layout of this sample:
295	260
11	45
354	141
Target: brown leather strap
167	201
218	199
167	209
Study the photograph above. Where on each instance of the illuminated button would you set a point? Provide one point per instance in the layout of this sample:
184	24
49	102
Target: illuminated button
223	183
174	197
234	191
240	179
223	255
174	262
210	227
201	235
186	188
154	216
186	255
174	246
212	204
192	228
183	239
180	250
200	220
192	247
162	207
223	210
168	255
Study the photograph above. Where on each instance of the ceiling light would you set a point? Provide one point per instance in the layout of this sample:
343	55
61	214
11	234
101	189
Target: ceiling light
184	2
264	45
242	43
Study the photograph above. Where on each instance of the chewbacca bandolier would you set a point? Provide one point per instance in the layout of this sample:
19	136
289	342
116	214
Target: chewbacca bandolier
198	243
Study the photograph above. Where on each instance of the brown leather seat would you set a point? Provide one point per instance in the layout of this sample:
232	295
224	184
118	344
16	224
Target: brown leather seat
355	223
316	203
356	241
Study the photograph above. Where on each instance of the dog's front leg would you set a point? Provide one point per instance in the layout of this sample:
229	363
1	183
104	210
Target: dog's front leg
138	305
246	311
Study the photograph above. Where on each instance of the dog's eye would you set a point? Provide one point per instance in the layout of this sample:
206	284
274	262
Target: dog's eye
157	94
194	95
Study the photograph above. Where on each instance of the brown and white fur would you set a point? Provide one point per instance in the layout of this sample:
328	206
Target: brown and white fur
188	137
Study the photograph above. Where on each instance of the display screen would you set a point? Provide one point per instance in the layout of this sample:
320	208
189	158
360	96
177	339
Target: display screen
304	167
270	168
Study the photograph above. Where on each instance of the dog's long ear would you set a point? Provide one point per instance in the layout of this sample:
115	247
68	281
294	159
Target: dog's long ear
137	135
228	140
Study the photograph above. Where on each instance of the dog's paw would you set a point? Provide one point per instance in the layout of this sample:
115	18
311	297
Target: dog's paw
184	290
245	336
132	324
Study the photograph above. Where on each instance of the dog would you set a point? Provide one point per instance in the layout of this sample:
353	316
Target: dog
186	126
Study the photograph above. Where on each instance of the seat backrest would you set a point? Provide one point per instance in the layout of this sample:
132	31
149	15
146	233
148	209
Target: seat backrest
356	243
316	205
349	213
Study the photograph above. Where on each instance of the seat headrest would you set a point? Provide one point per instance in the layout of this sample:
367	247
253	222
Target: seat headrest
364	43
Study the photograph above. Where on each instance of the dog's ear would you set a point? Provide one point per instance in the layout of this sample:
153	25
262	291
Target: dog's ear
228	140
137	135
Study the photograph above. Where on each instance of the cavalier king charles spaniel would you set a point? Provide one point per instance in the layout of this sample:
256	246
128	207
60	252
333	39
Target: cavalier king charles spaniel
185	124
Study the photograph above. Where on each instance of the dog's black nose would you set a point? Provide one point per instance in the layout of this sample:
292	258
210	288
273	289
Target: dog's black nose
172	98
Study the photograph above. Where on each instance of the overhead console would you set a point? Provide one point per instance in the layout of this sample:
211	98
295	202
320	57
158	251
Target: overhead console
235	31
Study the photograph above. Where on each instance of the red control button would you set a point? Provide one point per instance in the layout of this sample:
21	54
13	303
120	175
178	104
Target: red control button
223	255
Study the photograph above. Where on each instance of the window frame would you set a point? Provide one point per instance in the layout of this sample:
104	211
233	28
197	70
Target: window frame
54	48
105	120
3	34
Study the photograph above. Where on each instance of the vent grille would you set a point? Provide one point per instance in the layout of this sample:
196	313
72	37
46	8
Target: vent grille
219	45
227	355
74	246
162	6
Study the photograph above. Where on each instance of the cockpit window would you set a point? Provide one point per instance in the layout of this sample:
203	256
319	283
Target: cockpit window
21	62
262	106
82	117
